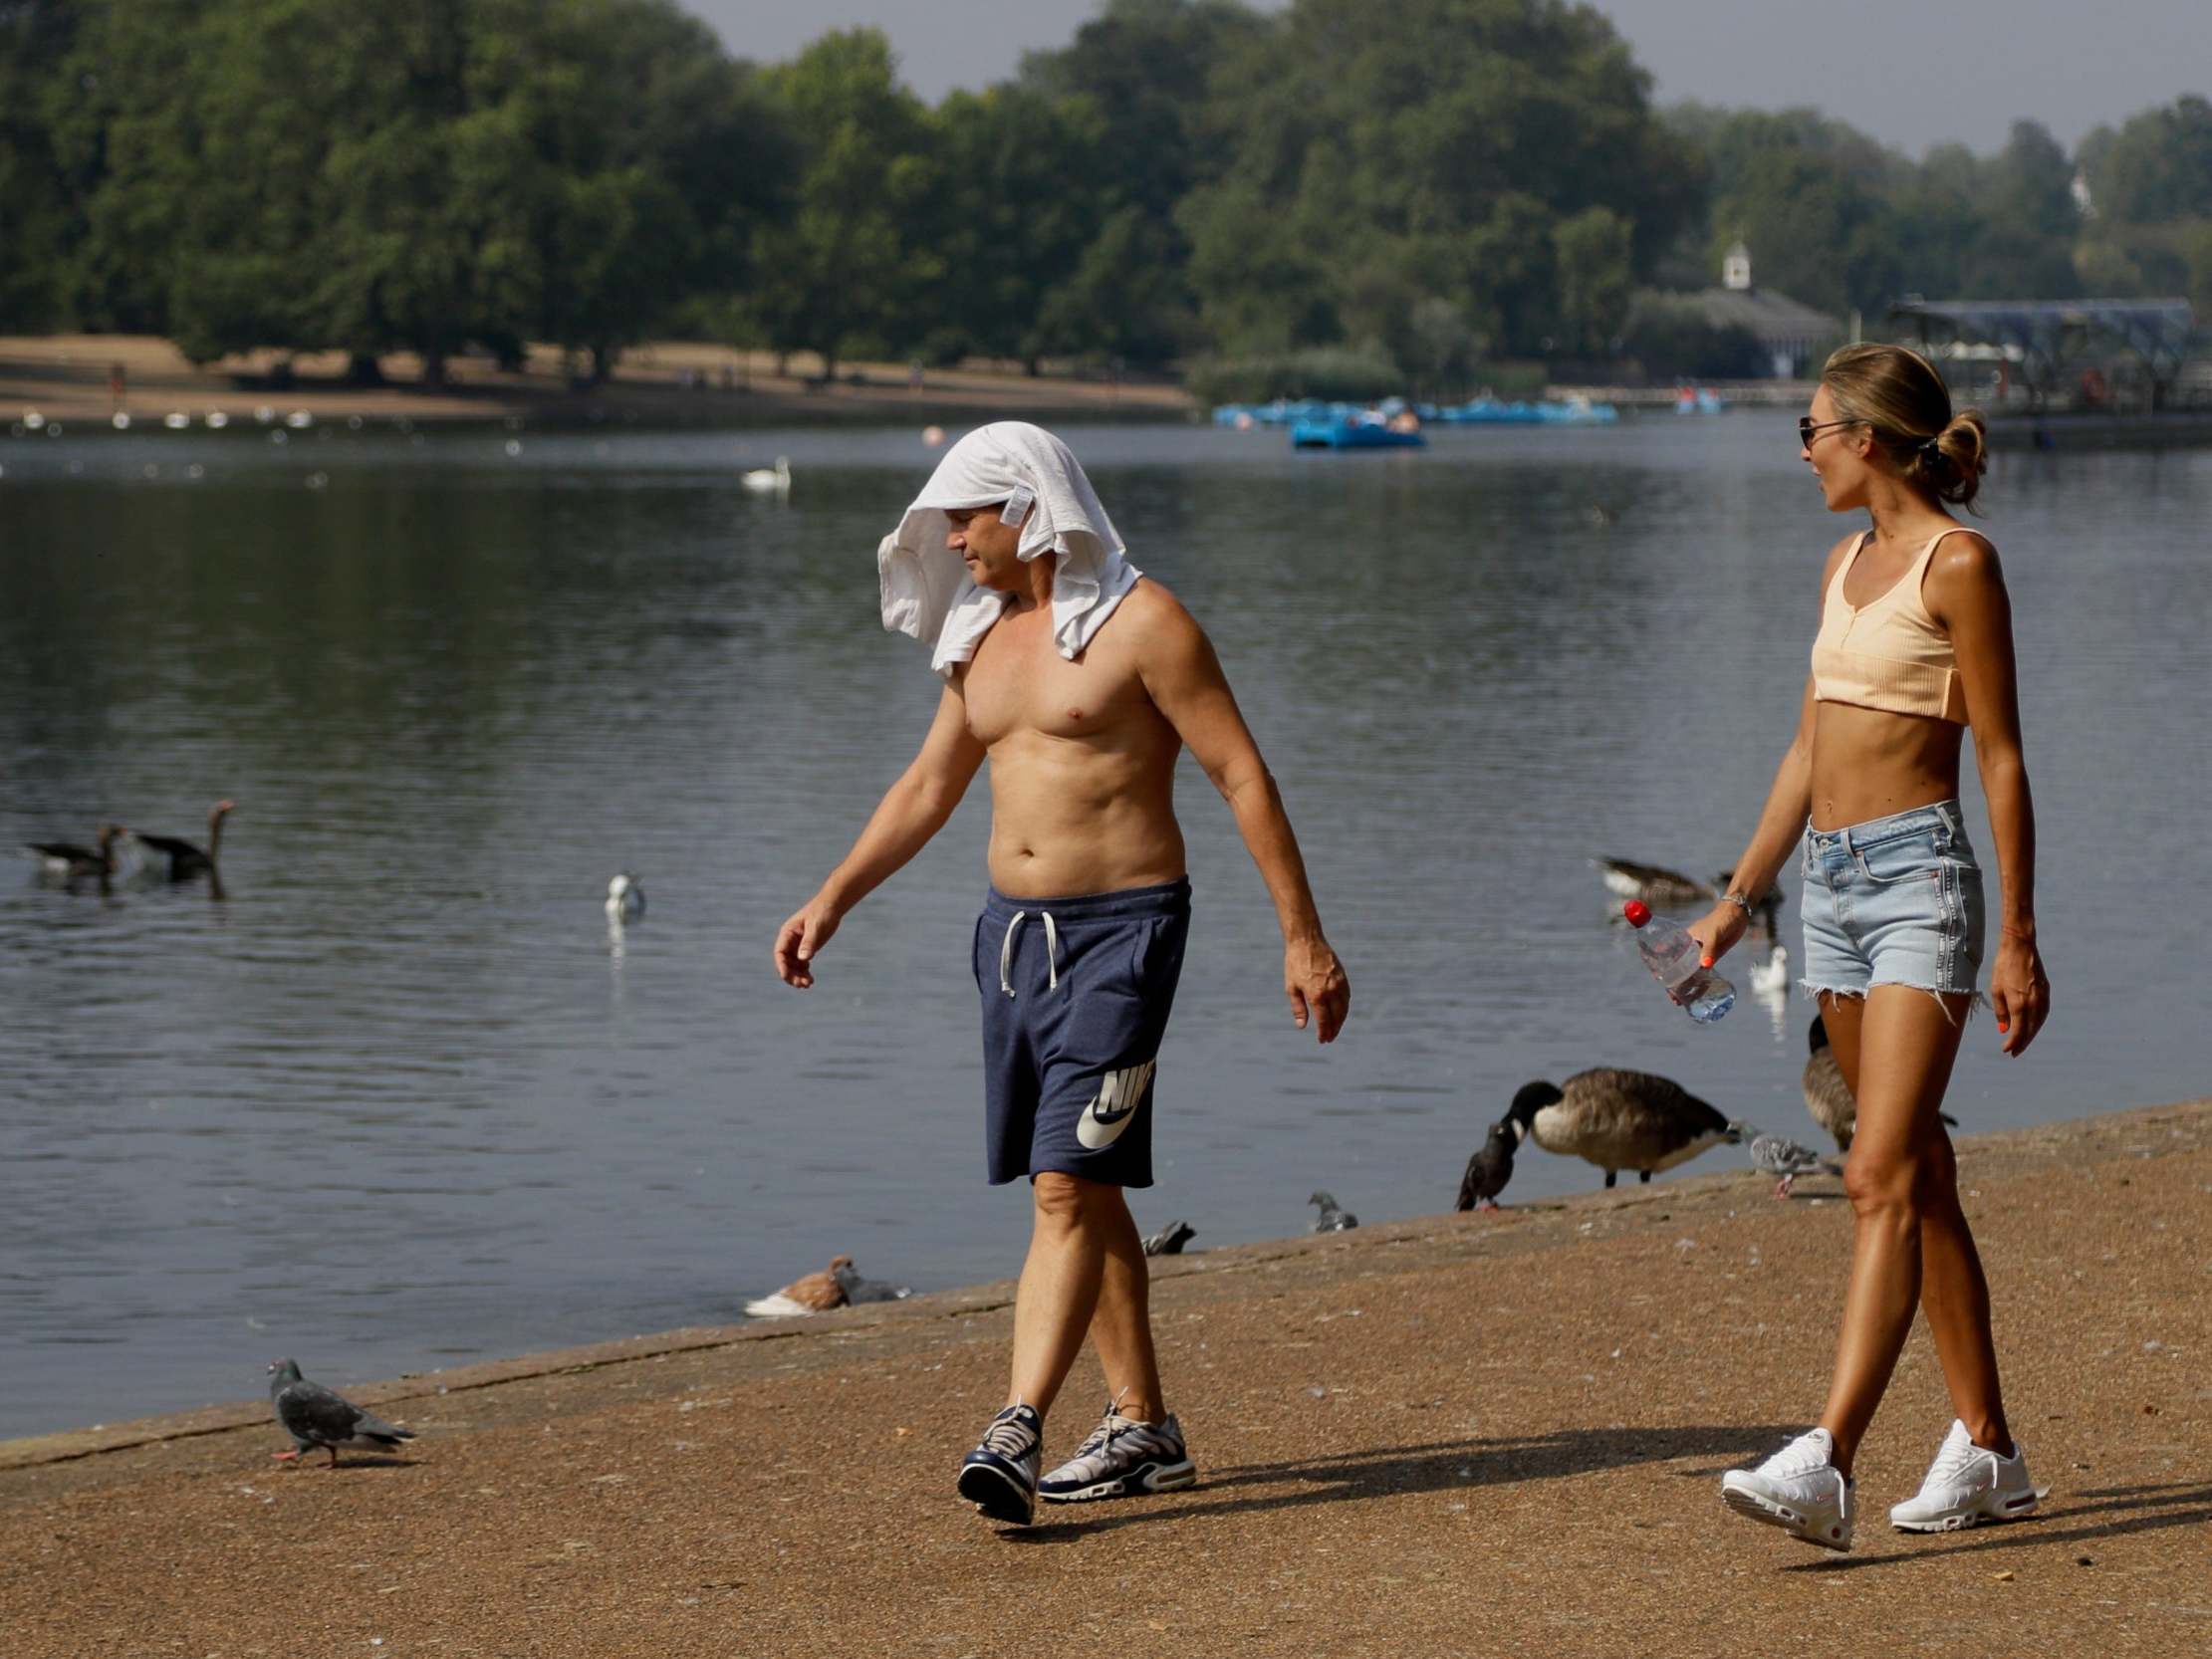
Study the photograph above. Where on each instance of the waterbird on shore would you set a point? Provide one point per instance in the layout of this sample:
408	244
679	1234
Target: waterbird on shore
1169	1239
185	859
1333	1218
320	1420
1491	1167
1786	1160
1657	886
858	1290
625	898
1621	1120
816	1292
767	480
73	864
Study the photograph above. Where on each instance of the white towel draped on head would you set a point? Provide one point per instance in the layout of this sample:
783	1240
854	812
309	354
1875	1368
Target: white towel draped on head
927	592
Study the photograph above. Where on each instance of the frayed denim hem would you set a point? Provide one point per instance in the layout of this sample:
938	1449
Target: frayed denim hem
1858	993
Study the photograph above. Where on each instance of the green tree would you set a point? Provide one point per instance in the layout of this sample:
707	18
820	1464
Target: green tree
38	218
846	269
1594	250
2157	168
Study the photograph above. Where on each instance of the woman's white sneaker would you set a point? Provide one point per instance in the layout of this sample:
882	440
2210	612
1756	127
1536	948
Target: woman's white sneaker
1799	1490
1968	1486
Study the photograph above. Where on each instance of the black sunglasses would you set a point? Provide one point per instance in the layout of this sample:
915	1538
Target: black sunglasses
1808	429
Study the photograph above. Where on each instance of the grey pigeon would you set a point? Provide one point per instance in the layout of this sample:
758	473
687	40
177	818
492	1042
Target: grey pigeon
1491	1167
1169	1239
858	1290
319	1420
1332	1218
1784	1159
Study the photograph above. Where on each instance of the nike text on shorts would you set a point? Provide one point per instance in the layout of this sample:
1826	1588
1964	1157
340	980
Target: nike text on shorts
1075	997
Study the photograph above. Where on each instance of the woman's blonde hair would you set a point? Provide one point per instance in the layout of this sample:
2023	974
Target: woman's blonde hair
1898	394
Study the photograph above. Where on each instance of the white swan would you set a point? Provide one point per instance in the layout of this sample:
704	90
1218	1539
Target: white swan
769	481
625	899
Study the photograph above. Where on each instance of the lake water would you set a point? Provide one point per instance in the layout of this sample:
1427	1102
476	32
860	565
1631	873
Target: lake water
397	1099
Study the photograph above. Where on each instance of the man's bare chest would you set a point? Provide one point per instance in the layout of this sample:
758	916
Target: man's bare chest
1019	682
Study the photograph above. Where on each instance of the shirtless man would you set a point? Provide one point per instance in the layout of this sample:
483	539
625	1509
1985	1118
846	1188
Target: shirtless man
1081	941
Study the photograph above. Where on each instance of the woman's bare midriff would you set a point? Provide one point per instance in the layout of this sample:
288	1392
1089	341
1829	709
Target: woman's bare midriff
1070	819
1869	763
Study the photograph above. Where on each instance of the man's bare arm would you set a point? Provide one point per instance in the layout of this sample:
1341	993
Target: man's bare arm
1183	677
911	810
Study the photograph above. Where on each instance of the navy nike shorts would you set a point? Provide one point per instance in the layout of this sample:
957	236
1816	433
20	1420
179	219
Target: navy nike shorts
1076	996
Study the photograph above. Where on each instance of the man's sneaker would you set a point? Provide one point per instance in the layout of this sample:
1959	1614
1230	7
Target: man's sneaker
1121	1458
1000	1476
1968	1486
1798	1489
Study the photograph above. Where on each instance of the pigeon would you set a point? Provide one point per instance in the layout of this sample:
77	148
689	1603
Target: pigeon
319	1420
625	898
818	1293
1169	1239
1491	1167
1786	1160
1657	886
185	859
1621	1121
1331	1219
858	1290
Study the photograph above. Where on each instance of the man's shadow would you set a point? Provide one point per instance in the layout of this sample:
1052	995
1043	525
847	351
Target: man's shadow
1436	1467
2125	1509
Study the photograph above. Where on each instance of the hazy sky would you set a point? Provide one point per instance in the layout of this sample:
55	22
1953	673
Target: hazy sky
1913	73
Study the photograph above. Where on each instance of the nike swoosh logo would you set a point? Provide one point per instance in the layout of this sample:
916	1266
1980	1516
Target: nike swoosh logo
1111	1110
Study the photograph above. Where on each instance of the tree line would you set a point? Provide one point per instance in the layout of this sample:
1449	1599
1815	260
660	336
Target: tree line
1420	190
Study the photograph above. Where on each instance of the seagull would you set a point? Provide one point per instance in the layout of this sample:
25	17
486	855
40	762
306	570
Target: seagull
858	1290
72	862
1331	1219
818	1293
1772	977
1786	1160
1621	1121
319	1420
1491	1167
1657	886
1169	1239
625	899
185	859
769	481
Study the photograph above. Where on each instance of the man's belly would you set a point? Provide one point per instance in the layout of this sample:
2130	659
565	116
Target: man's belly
1056	846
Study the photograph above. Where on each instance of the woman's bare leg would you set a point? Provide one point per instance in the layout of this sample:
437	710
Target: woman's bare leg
1911	1245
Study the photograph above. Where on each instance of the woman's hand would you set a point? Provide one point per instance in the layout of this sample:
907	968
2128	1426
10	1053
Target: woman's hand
2019	991
1718	930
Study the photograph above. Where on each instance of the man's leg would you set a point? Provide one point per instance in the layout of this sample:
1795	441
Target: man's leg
1086	1272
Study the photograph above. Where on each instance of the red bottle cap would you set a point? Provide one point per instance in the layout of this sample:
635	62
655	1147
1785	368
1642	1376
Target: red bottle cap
1636	911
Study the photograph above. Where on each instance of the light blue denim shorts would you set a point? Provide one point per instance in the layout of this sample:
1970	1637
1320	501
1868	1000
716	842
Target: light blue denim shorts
1894	901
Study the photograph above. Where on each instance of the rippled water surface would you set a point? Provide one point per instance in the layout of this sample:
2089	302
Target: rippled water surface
397	1098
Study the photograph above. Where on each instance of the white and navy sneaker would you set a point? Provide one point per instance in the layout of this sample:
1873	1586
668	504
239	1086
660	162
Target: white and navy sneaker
1000	1476
1968	1486
1798	1489
1121	1458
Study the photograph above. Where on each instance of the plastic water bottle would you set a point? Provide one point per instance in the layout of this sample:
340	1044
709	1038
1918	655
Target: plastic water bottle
1674	959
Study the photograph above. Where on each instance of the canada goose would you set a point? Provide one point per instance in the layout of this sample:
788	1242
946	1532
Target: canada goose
185	859
816	1292
79	864
625	898
1491	1167
1621	1121
1655	885
767	481
1331	1219
1825	1097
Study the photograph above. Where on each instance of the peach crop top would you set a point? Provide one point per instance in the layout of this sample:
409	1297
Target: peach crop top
1888	654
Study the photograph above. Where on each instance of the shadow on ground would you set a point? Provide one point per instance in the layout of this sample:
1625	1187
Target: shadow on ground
1438	1467
2131	1509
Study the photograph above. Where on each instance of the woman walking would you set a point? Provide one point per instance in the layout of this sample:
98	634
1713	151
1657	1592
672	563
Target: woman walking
1914	649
